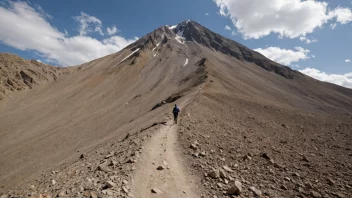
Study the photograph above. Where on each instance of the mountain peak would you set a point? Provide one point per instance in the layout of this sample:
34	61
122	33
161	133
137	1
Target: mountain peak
192	32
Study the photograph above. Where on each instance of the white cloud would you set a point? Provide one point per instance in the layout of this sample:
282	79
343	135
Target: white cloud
333	25
227	28
344	80
289	18
233	33
111	31
25	28
347	61
207	14
307	40
343	15
88	24
284	56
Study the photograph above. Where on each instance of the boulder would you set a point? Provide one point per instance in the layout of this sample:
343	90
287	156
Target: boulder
235	189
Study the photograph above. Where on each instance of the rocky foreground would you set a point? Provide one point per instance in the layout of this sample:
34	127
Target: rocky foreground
284	154
105	172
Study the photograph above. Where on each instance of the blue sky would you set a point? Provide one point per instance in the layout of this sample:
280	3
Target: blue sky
311	36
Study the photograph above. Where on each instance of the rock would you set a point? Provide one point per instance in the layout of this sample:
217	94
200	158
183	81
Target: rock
283	187
107	192
226	181
331	182
315	194
222	174
340	195
112	163
193	146
304	158
4	196
131	160
82	156
32	187
214	174
62	193
236	189
266	156
124	189
247	157
110	184
276	165
195	154
228	169
156	191
308	185
203	154
160	168
219	185
300	190
53	182
255	191
287	179
93	195
125	182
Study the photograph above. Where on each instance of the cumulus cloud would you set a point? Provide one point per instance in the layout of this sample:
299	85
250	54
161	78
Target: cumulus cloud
207	14
284	56
289	18
227	28
347	61
342	15
111	31
26	28
344	80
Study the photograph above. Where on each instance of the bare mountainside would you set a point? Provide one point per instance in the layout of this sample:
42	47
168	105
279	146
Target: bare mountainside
18	74
250	123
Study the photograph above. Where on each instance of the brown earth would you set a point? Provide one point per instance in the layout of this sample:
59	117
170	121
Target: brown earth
17	74
278	130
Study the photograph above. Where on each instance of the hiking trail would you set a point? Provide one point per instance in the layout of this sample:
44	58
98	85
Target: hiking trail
173	180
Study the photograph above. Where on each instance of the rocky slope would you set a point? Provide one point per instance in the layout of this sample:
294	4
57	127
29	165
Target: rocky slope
249	127
18	74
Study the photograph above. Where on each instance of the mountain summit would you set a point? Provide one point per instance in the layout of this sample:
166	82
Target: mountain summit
107	123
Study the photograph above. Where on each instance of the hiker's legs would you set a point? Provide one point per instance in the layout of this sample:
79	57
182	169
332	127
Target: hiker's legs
175	117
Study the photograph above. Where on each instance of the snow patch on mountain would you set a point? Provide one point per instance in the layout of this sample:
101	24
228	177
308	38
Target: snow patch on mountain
128	56
172	27
186	62
179	37
156	46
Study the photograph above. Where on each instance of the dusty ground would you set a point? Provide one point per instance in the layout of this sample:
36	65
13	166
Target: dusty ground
173	180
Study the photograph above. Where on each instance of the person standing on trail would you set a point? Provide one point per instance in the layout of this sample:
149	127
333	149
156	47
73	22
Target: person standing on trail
175	111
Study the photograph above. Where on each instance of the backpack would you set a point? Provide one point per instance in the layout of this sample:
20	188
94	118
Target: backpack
176	110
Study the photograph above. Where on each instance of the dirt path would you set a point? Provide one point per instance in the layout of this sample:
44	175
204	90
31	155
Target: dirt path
174	180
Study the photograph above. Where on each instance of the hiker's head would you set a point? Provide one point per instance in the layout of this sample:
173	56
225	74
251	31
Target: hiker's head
175	105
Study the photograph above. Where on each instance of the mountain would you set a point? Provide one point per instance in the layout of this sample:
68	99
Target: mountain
19	74
272	127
